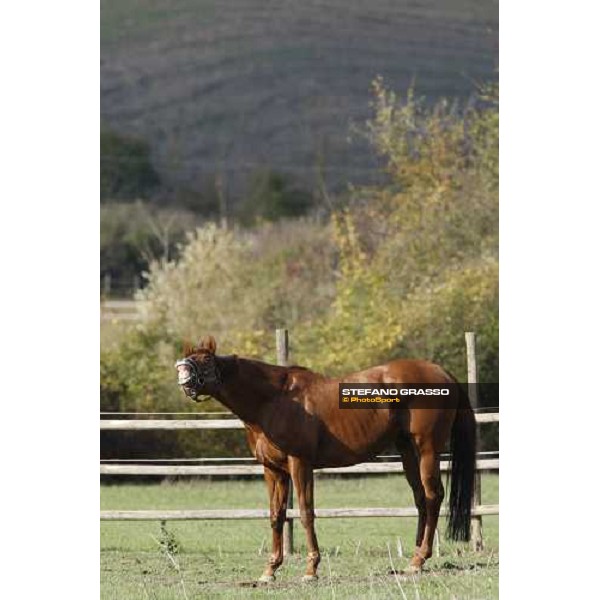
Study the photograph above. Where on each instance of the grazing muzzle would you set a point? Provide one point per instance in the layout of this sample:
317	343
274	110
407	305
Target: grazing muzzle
193	377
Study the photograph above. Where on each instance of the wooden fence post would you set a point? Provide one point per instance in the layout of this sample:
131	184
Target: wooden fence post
476	523
282	345
106	284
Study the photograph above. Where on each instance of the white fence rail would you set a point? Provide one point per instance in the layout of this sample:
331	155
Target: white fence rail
245	470
137	424
322	513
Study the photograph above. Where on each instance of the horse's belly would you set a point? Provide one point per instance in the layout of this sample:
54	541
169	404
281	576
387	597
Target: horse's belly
355	441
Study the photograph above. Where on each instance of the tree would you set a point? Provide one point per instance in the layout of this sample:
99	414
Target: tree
274	196
126	171
133	235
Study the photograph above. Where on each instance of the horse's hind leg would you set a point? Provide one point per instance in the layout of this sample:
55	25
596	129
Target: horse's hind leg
278	483
410	461
429	470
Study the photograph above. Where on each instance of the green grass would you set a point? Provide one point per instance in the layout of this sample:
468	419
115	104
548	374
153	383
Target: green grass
223	559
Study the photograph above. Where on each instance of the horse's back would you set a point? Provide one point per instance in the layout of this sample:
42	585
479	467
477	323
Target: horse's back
401	371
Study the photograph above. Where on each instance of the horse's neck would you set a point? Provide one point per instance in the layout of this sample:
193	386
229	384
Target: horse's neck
248	386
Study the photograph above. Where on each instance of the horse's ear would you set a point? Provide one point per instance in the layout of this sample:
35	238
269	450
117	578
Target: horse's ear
209	343
188	347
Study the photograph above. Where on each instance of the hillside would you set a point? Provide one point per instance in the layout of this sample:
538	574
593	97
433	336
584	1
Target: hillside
238	85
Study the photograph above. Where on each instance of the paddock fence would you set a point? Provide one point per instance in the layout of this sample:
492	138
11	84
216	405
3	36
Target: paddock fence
223	467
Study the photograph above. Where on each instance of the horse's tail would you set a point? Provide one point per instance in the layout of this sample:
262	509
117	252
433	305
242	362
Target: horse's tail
462	477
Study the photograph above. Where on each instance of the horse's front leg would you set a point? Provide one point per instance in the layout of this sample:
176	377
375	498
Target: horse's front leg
302	476
278	484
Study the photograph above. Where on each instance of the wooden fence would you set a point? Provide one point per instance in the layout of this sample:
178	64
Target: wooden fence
215	470
119	310
138	424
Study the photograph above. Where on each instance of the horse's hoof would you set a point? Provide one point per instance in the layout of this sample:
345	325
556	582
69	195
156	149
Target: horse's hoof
266	578
413	569
307	578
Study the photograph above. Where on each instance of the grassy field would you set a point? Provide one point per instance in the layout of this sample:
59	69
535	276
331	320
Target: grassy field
223	559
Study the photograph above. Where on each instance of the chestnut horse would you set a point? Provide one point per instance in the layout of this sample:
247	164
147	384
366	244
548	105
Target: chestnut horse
294	424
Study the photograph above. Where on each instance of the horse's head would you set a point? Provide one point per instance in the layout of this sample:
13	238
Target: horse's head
198	373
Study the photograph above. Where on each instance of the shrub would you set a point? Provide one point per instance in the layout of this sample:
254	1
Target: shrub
241	284
138	377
